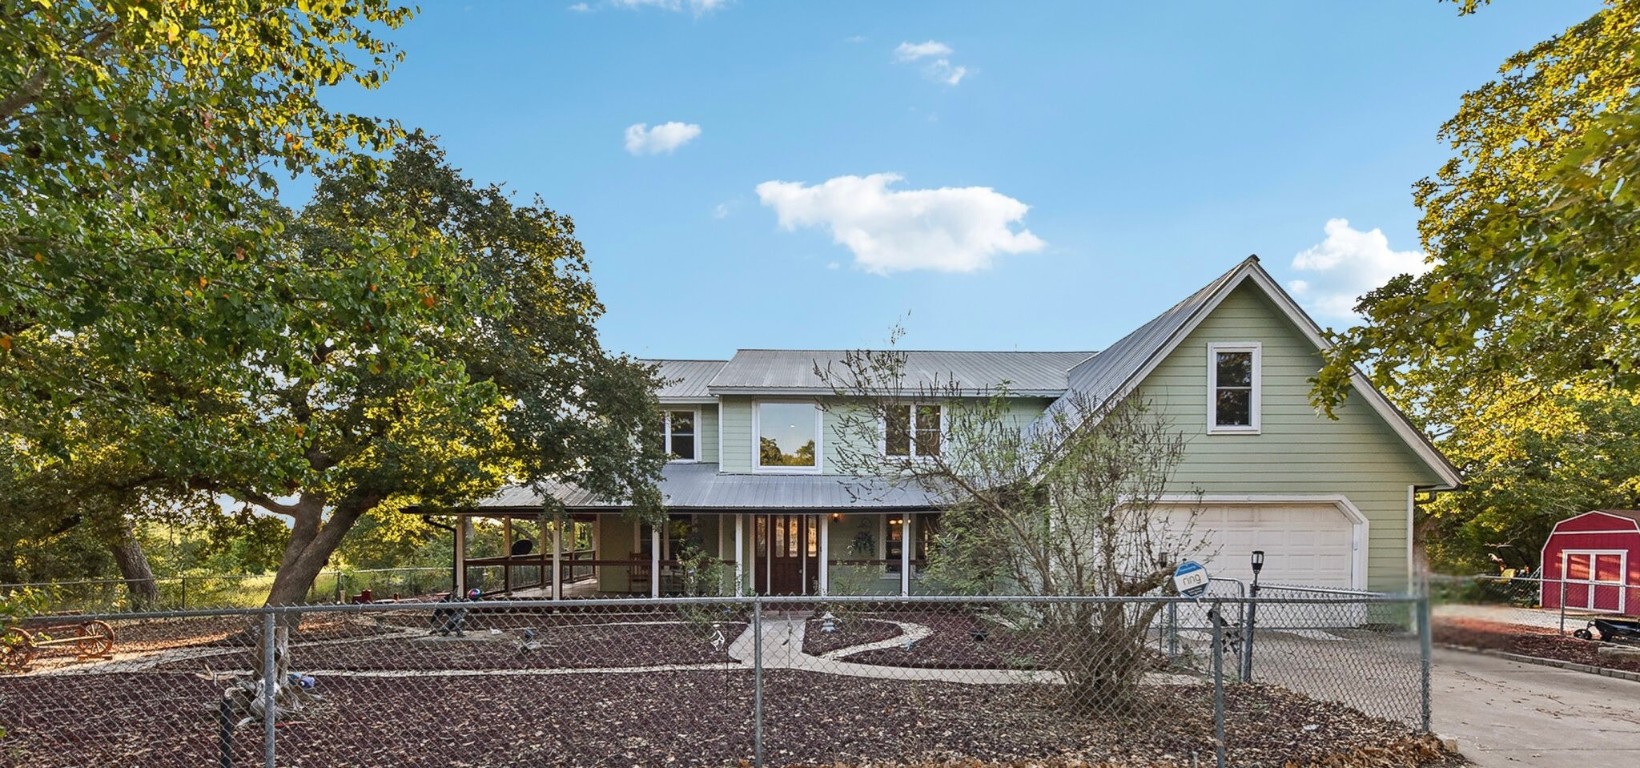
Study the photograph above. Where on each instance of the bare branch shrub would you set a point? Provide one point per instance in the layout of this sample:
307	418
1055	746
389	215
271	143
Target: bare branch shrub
1072	503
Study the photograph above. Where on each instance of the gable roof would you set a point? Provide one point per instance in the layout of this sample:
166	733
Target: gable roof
686	380
791	371
1116	372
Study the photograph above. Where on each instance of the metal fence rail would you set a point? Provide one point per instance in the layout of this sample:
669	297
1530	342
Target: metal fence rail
721	681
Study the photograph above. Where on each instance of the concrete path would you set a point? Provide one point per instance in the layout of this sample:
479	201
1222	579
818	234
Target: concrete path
783	649
1506	713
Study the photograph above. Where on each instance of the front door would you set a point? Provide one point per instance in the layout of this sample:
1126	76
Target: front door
789	554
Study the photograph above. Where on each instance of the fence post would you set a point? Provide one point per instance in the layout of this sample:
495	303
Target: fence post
1562	603
1172	631
1249	617
268	685
1425	652
184	606
1221	759
757	681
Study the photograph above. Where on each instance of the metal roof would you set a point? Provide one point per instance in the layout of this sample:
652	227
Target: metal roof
1101	377
1026	374
699	487
686	380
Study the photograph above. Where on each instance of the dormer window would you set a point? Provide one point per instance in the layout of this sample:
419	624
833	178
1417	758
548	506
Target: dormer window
912	431
1233	388
682	434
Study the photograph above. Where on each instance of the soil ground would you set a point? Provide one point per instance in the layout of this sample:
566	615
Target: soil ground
636	688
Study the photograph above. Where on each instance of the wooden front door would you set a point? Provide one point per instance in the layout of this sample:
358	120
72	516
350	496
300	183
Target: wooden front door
788	554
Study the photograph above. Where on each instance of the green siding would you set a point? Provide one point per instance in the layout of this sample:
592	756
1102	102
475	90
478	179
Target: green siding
1297	451
708	433
736	415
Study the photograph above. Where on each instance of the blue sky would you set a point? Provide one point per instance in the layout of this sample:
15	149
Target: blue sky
998	175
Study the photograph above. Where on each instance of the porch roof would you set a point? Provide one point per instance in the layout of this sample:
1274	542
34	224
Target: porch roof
701	488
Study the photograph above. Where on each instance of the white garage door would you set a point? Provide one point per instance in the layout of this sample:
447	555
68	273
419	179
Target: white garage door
1310	544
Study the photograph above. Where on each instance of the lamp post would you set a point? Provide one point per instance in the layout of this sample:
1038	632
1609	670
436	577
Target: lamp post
1252	618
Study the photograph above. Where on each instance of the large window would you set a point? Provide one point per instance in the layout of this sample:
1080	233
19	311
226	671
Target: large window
682	435
788	437
1233	388
912	430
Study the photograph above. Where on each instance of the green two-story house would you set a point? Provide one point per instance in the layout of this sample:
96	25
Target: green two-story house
755	481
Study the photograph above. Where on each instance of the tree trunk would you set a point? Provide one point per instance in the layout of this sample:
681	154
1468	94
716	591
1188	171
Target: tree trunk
312	541
134	568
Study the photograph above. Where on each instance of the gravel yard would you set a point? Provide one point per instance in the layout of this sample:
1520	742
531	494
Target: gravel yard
683	718
608	688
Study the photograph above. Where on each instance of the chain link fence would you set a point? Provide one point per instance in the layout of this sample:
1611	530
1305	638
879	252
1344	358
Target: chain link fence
729	681
181	593
1563	620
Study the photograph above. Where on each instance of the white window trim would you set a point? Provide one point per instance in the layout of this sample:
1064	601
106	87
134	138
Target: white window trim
1255	400
819	441
882	440
1621	585
666	432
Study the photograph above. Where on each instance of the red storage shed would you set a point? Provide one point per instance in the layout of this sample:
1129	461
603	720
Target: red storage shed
1598	555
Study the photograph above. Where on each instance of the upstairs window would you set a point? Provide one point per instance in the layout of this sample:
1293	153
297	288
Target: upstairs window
913	430
1233	388
682	435
788	437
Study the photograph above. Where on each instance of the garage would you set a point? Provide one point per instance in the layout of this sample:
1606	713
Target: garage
1306	542
1597	555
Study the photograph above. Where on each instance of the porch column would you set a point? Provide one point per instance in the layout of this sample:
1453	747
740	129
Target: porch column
905	554
825	553
740	553
460	581
557	557
506	550
655	560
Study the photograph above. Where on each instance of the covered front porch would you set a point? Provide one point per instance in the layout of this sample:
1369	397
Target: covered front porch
511	552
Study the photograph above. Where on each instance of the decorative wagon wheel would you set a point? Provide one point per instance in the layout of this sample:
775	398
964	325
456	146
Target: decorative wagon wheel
16	650
96	638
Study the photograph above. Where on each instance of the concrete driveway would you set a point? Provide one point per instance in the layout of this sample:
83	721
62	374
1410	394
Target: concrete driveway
1505	713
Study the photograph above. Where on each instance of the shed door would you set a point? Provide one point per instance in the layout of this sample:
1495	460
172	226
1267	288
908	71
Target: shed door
1594	580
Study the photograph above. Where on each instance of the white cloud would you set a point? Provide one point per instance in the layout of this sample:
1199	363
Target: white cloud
580	8
914	51
697	7
663	138
1346	265
939	68
855	39
722	210
951	229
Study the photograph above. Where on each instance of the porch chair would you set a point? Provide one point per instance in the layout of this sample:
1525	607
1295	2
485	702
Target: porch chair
637	573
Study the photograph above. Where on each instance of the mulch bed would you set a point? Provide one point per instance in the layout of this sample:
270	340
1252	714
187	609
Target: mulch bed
682	718
849	631
1527	641
953	645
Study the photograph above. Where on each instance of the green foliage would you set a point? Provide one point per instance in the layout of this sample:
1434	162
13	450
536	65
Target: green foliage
770	455
1520	348
167	328
1531	456
1532	227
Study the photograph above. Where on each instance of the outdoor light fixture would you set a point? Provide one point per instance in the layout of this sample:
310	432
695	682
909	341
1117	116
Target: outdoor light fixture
1258	561
828	623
